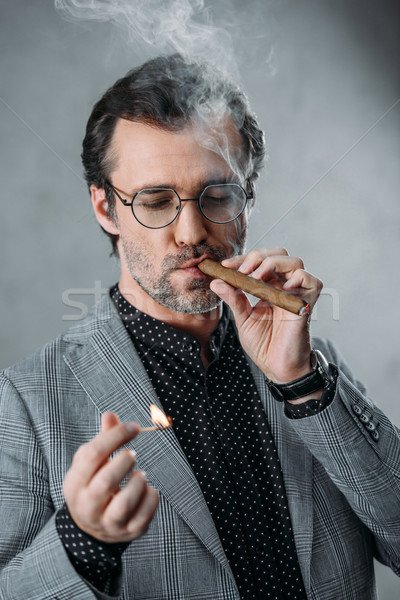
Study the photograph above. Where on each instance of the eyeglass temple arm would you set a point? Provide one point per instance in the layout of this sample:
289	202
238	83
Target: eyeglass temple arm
123	200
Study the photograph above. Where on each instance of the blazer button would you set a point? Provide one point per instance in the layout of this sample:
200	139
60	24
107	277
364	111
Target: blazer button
364	418
374	435
357	409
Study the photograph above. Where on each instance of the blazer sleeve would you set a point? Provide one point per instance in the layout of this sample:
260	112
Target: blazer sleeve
33	561
359	448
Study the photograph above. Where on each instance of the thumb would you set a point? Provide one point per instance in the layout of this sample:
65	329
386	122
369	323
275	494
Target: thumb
234	298
108	421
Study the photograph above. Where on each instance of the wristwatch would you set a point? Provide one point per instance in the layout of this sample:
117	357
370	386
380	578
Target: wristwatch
318	379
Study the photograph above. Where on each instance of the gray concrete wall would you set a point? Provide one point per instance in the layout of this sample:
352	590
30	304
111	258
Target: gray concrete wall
322	76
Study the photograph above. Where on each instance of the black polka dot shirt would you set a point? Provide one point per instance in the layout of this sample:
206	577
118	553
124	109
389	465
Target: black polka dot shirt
221	426
220	423
97	562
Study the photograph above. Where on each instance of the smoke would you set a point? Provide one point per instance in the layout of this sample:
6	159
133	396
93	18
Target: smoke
161	26
186	27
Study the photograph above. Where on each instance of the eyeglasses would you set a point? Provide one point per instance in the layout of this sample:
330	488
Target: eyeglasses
158	207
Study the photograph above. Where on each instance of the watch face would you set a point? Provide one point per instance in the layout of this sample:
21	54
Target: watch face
323	367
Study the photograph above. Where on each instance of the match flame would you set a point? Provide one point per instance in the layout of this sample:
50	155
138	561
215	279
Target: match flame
159	418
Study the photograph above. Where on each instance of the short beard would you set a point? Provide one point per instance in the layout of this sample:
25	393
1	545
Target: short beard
201	299
196	298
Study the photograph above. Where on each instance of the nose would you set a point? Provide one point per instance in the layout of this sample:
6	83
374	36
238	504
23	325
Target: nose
190	225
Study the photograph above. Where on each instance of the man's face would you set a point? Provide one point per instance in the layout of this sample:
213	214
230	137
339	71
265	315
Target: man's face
161	263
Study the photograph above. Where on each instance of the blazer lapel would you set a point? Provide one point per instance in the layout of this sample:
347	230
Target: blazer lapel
296	463
109	370
112	375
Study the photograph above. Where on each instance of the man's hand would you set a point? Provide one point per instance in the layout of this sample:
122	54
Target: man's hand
276	340
95	500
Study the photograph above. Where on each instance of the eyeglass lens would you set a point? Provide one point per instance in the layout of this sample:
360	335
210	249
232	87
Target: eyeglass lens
159	207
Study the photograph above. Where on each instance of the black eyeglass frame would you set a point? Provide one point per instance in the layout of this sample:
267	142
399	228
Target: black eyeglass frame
249	196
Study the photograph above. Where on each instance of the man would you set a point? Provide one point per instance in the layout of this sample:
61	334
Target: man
278	479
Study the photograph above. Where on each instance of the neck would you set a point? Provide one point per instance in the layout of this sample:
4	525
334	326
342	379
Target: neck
199	326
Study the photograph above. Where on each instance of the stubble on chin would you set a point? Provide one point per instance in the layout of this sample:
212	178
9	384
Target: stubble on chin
195	298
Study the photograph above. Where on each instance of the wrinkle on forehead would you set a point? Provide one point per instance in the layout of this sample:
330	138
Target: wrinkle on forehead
216	146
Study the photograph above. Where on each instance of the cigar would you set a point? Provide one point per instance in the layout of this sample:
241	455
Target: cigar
261	290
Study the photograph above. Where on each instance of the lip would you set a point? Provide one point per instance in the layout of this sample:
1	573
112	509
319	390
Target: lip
191	268
194	262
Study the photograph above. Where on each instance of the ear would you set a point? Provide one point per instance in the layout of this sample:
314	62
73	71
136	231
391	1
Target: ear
100	207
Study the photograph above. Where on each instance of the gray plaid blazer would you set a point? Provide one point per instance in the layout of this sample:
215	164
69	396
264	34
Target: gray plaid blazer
342	485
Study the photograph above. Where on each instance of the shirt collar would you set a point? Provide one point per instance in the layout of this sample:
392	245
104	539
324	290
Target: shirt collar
152	332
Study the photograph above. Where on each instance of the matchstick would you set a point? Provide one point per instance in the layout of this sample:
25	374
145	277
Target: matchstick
257	288
159	418
156	428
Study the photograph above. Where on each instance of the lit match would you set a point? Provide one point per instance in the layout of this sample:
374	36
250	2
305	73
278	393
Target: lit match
159	418
257	288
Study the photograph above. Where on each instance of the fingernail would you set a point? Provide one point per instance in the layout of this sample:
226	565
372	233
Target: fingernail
133	453
132	427
218	284
144	474
243	266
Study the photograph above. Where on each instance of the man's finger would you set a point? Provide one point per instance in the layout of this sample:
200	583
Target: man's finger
91	456
277	266
234	298
305	281
140	522
107	480
108	421
246	263
126	503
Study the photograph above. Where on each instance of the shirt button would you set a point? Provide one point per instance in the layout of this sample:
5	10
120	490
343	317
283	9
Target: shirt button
357	409
240	467
189	347
370	426
374	435
260	549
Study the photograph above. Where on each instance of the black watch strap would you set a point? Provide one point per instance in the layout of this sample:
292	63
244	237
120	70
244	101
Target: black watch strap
319	378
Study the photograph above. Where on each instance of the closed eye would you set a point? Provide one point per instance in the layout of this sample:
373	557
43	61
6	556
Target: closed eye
156	205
